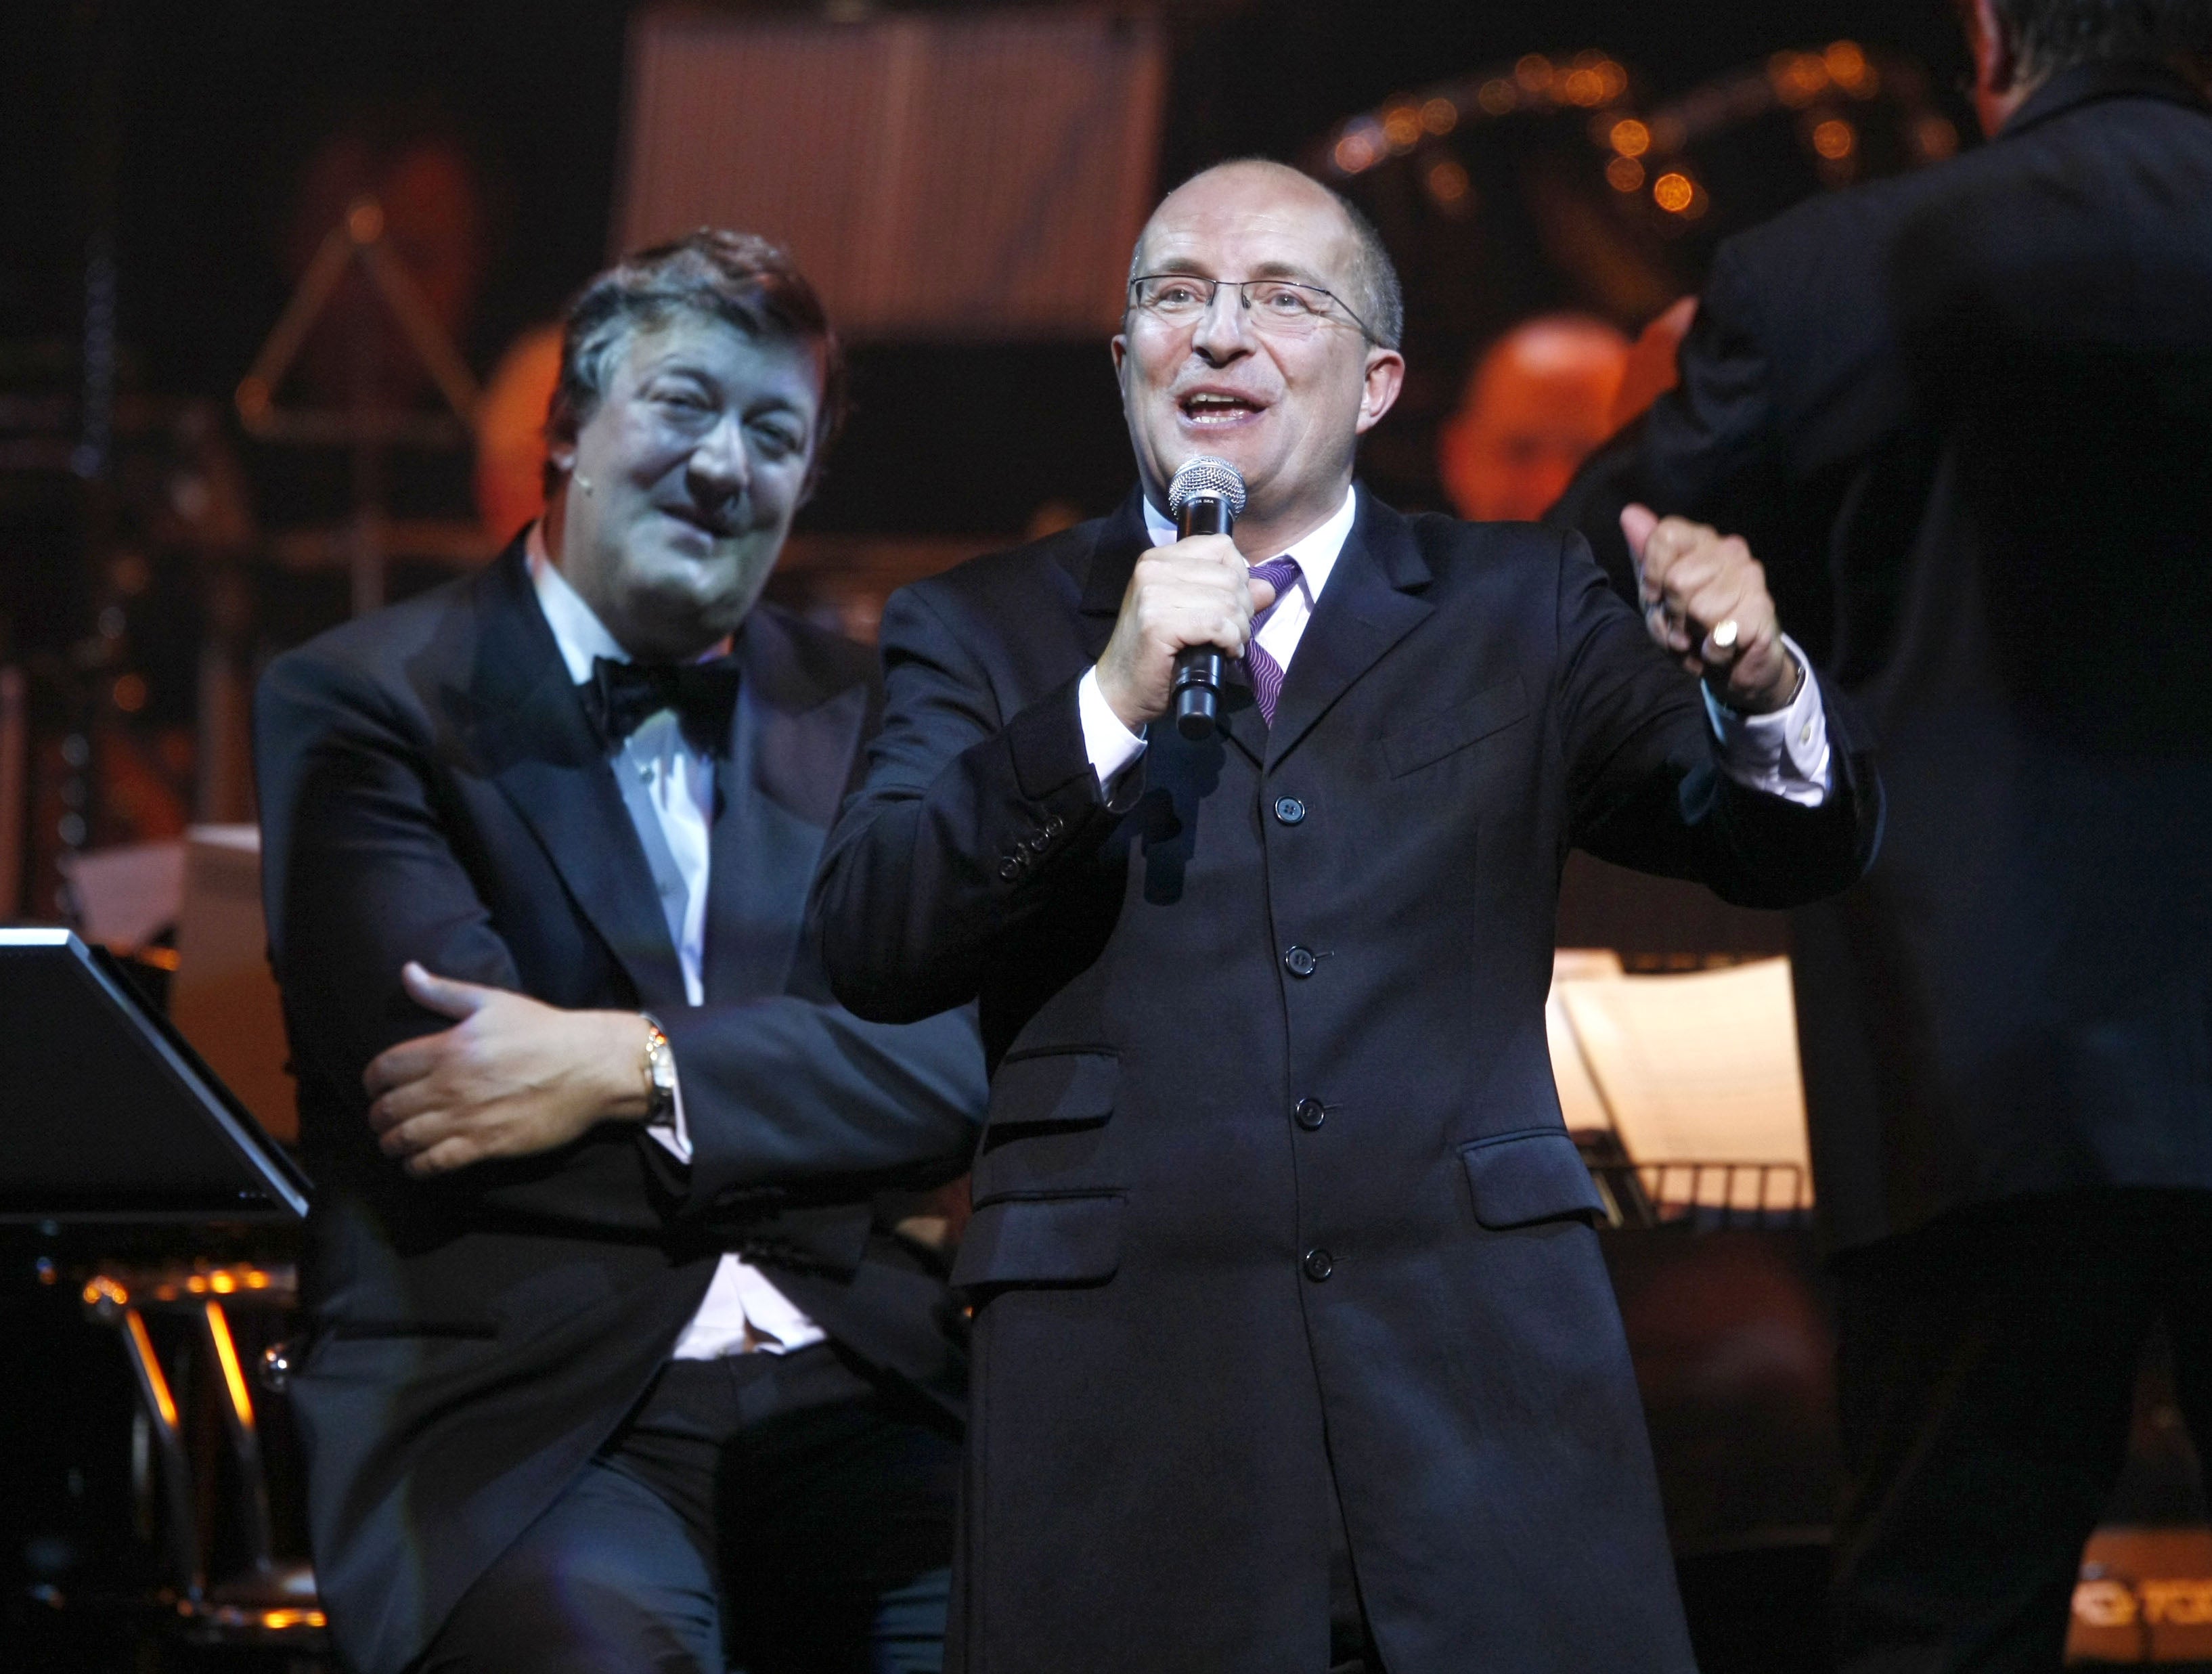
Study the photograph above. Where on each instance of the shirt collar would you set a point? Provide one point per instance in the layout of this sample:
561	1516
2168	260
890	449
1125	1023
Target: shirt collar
1316	554
576	627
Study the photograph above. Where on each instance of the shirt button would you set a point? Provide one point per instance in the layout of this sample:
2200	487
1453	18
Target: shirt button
1290	809
1317	1264
1310	1114
1300	961
1805	734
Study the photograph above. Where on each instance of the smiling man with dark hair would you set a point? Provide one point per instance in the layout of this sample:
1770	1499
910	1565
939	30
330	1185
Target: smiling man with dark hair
619	1361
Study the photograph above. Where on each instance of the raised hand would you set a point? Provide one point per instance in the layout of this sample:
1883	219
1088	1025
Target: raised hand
1197	592
1705	600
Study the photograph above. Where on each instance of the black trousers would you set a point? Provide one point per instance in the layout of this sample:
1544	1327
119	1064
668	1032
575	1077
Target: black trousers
772	1514
1986	1368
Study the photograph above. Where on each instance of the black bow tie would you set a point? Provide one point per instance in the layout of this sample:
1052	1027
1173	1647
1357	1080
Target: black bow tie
621	696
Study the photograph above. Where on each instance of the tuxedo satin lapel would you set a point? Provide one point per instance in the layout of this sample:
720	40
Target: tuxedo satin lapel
791	741
533	740
1370	603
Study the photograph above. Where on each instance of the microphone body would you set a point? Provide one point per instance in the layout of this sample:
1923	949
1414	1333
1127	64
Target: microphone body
1204	498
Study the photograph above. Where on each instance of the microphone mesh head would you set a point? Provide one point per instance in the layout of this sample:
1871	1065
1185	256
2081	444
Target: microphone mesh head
1207	477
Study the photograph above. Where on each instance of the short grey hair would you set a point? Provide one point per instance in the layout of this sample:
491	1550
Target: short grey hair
1381	300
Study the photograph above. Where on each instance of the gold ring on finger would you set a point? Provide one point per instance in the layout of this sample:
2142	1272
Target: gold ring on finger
1725	633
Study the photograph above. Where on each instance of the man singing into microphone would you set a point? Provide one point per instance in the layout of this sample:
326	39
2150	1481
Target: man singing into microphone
1294	1350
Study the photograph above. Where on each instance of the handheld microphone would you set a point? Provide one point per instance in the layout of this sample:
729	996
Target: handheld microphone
1204	499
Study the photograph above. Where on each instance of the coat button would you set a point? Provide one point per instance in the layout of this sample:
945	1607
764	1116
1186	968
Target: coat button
1010	868
1300	961
1317	1264
1309	1115
1290	809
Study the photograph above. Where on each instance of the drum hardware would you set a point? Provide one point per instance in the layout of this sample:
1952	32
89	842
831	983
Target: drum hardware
268	1601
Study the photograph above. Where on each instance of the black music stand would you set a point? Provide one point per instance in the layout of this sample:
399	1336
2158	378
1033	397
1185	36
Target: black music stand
108	1116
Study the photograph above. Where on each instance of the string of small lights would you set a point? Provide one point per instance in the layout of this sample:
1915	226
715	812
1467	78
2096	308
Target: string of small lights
1646	156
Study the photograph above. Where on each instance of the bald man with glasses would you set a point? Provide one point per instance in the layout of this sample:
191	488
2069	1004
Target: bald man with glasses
1294	1350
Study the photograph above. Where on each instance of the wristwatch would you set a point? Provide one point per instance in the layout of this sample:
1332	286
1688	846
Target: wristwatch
659	1074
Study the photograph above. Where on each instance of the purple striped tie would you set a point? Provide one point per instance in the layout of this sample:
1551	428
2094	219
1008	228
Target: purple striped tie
1266	673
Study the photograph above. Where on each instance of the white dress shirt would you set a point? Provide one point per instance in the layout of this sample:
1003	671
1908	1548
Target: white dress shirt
669	789
1783	754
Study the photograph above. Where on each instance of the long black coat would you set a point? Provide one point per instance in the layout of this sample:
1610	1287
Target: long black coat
431	789
1965	418
1275	1183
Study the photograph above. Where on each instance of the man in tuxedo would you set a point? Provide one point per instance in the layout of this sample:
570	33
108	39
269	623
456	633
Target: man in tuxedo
1294	1346
618	1357
1965	416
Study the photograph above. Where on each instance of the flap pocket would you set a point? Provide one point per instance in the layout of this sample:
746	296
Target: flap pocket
1042	1241
1485	713
1061	1088
1522	1179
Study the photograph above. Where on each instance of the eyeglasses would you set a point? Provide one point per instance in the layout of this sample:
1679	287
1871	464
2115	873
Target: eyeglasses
1279	308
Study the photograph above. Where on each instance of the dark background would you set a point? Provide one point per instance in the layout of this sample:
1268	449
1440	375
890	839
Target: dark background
217	104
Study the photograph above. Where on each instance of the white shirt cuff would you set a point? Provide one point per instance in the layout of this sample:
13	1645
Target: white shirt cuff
1111	745
1783	754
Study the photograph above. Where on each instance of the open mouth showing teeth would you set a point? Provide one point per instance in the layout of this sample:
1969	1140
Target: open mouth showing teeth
1205	409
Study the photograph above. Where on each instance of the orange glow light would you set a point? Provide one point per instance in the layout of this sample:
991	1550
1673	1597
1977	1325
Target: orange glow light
1835	139
164	1403
1673	192
1849	67
1624	174
1440	115
1798	77
129	693
1447	181
1498	97
1630	137
1354	153
226	1354
1402	126
1585	86
1535	72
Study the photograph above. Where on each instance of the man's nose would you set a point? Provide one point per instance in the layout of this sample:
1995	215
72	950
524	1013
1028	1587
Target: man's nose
721	468
1223	332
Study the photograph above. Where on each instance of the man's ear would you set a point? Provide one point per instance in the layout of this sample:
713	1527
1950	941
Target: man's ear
1384	377
1118	348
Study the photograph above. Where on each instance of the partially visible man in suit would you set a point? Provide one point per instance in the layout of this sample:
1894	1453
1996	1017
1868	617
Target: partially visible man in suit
1966	417
616	1357
1294	1346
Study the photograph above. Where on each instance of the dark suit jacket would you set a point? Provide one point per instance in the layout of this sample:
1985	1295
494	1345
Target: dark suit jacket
1275	1183
1965	417
431	789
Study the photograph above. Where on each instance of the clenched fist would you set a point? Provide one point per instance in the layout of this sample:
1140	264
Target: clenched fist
1197	592
1705	600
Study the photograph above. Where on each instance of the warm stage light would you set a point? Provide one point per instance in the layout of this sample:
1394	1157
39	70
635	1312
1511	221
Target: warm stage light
1835	139
1446	182
1624	174
1498	97
1535	72
1673	193
1402	126
1439	117
1630	137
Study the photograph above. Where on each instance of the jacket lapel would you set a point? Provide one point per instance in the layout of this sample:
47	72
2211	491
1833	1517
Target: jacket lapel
532	739
791	740
1370	604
